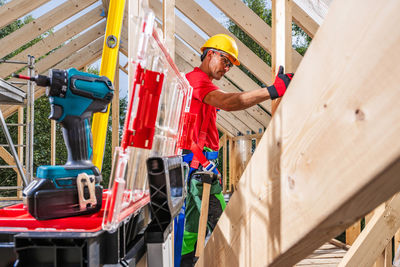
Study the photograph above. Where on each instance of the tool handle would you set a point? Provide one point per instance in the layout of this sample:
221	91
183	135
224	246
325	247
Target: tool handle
78	140
205	200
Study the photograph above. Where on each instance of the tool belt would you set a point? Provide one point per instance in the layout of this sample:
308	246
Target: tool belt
208	156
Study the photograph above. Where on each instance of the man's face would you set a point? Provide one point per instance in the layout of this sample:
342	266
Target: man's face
219	64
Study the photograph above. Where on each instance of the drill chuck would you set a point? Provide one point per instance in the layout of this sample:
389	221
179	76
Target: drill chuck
58	83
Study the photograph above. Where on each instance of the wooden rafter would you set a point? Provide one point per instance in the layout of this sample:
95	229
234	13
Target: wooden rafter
8	158
281	41
74	45
226	127
303	20
16	9
44	23
168	25
331	153
375	236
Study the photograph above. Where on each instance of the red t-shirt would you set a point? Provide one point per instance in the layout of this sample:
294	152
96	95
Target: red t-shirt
201	87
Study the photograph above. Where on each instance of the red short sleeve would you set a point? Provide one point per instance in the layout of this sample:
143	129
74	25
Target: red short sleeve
201	84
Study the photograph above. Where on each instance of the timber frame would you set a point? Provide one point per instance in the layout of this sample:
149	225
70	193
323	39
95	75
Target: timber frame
330	153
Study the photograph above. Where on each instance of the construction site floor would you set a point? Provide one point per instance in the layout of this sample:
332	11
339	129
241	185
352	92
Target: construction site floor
328	255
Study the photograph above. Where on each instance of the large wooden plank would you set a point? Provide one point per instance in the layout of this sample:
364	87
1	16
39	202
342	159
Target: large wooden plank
253	25
211	26
281	40
16	9
33	29
331	153
375	236
169	25
53	40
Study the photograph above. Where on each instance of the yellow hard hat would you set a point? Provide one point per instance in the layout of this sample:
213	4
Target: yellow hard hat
224	43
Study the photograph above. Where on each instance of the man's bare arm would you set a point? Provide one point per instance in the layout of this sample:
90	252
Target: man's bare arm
236	101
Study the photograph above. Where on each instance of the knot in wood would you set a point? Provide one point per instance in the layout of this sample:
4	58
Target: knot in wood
360	116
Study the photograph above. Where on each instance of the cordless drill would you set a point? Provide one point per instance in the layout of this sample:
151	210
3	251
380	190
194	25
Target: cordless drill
74	188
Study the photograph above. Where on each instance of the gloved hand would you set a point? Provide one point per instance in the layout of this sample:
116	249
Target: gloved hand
282	81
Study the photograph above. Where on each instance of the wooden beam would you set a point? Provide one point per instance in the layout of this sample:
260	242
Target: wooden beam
375	237
211	26
307	181
105	6
353	232
223	130
303	20
281	40
8	158
253	25
196	41
226	127
16	9
248	137
316	9
123	69
221	140
238	124
33	29
168	25
53	40
78	43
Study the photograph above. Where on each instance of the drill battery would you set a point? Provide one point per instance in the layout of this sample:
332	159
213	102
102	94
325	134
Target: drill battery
51	197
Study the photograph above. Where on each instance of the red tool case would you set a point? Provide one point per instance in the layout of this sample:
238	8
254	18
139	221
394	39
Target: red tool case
72	241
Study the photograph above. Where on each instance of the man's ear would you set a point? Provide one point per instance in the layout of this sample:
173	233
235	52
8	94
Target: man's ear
209	53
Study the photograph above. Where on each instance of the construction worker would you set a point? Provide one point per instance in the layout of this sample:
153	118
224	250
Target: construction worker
219	54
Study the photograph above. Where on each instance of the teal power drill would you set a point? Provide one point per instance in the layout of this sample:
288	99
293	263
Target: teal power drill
74	188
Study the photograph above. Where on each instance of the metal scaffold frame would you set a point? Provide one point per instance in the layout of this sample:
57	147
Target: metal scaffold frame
12	95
